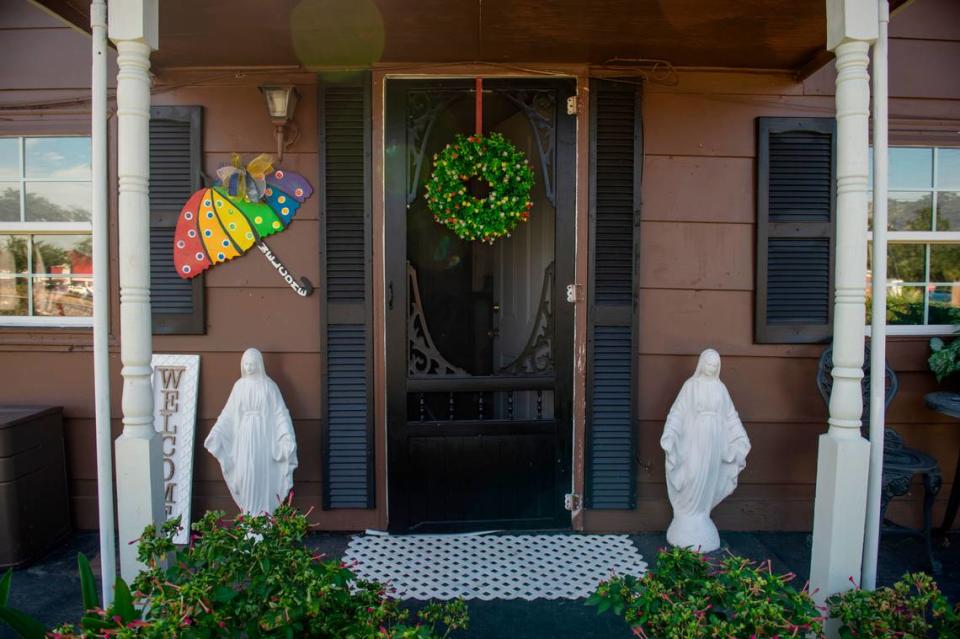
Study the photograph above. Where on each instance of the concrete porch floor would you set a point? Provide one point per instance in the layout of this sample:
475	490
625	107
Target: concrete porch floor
50	589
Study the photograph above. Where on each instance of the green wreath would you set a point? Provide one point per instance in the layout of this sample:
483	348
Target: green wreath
497	162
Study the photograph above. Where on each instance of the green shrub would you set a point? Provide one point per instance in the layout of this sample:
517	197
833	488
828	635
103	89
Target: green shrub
252	578
687	596
913	608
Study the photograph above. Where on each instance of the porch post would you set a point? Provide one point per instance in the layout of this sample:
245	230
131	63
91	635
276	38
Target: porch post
134	30
843	456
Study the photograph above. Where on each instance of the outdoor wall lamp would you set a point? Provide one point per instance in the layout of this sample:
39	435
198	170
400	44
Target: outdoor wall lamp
281	103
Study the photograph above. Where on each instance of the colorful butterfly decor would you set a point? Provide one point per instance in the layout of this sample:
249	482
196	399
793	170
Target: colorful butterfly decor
246	205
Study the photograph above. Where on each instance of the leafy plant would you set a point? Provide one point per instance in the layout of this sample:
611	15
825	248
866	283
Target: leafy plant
945	358
250	577
96	621
912	608
688	596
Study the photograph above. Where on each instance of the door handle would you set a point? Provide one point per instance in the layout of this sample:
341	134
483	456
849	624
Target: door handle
390	296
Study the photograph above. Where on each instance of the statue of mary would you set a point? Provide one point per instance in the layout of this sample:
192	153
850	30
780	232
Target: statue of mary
253	440
706	448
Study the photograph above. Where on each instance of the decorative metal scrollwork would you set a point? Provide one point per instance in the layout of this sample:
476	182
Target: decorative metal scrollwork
540	107
423	107
537	355
424	357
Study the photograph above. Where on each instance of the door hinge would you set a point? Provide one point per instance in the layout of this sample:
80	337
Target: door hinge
574	293
572	502
573	105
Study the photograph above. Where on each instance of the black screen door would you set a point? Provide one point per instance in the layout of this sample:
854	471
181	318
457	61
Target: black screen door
479	337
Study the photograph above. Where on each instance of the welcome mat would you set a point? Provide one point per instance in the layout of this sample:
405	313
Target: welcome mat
564	566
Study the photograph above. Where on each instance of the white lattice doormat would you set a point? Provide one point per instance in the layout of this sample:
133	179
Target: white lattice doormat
492	566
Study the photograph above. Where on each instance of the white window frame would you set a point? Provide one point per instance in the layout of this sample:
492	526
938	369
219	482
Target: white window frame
41	228
921	237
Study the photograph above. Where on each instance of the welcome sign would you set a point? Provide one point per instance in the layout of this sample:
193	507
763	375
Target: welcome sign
175	381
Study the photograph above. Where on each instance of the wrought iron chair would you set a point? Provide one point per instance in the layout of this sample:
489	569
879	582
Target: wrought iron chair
900	463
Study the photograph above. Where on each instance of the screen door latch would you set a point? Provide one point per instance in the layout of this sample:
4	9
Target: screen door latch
574	293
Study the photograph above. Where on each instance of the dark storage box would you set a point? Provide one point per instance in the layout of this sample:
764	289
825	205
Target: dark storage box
34	505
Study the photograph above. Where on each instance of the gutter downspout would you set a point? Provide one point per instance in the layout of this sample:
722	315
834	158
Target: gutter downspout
101	298
878	320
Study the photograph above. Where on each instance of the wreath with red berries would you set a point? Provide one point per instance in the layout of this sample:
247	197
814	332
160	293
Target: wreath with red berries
491	159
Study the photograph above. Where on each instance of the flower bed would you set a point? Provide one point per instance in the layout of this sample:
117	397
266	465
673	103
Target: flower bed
252	577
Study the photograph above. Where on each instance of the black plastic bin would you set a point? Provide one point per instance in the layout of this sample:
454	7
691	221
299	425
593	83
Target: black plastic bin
34	504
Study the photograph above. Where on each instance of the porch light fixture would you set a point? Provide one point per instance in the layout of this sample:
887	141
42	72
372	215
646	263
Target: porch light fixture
281	103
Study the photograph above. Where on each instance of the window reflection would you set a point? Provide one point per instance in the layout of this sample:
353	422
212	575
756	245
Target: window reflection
63	296
910	211
57	158
948	168
9	201
13	254
62	254
911	168
944	304
9	158
13	295
58	202
948	211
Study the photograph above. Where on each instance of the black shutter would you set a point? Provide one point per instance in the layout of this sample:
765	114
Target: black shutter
617	153
345	246
175	173
796	196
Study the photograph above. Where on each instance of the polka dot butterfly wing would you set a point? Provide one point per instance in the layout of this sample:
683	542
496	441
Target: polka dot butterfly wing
189	255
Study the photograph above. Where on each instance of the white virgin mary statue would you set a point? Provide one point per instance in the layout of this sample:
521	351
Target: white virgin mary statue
253	440
706	448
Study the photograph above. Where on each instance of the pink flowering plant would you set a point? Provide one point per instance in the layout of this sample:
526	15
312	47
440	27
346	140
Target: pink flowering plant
688	596
249	577
913	608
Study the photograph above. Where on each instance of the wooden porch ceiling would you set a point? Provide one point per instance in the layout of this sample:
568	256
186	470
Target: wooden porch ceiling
767	34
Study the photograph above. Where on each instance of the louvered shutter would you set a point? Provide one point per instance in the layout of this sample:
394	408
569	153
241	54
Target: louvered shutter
175	173
796	196
617	152
348	424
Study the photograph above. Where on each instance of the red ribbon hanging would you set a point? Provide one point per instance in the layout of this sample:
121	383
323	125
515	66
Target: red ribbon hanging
478	109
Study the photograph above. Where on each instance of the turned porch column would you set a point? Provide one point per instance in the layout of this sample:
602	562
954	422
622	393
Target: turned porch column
843	454
133	28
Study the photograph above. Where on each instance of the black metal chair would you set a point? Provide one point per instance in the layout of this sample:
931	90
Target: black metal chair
900	463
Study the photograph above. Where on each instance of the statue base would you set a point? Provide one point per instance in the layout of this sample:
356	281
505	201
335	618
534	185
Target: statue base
697	532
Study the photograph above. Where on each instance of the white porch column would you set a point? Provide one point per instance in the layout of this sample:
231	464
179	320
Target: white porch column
133	28
843	457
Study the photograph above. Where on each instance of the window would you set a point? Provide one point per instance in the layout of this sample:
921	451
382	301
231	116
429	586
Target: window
923	254
46	270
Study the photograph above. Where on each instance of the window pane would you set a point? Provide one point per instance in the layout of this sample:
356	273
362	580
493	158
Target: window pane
9	158
13	254
910	212
63	296
13	296
58	202
905	262
9	201
911	168
57	158
62	254
904	305
948	168
944	305
945	263
948	211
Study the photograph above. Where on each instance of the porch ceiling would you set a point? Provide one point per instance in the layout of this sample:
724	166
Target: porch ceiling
770	34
